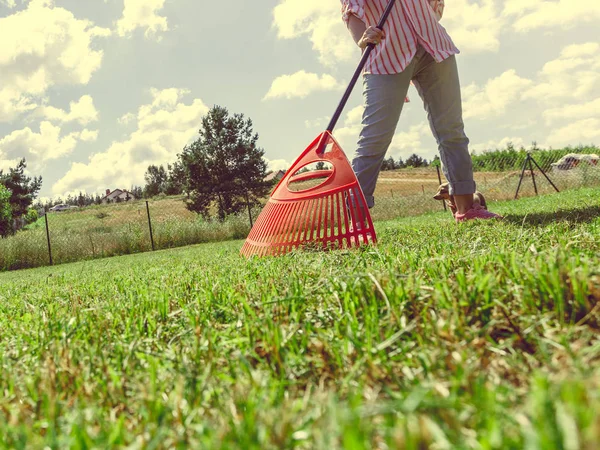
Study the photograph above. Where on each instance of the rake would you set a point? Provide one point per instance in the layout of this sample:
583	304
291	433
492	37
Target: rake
323	208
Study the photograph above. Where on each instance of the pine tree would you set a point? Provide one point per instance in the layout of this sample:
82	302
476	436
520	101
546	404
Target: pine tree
224	166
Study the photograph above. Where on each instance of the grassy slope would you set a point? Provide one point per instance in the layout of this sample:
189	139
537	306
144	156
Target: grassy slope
482	335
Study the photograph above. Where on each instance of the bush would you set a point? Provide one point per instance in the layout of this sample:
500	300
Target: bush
31	216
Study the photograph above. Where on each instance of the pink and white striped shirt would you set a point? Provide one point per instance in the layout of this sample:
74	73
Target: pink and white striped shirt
411	22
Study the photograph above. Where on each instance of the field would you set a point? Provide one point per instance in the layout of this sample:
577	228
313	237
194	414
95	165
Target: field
120	229
479	335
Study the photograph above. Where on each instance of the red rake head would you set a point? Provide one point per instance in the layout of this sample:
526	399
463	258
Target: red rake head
332	214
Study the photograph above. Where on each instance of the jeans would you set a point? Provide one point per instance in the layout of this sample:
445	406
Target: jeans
439	88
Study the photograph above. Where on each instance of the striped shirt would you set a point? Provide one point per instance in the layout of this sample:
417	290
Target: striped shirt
410	24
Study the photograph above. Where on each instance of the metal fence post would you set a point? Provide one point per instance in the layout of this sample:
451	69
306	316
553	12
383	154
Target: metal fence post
48	238
249	210
440	180
150	225
533	176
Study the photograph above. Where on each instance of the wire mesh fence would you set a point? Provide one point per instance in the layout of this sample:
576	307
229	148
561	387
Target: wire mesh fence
164	221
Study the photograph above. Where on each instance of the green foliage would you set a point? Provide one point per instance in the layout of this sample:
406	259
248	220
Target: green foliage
156	181
224	165
512	159
391	164
472	336
415	160
176	182
31	216
5	211
23	188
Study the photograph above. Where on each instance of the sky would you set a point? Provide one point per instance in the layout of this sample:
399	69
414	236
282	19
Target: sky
94	91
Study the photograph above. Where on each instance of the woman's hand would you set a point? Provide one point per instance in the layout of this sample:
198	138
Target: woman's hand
372	35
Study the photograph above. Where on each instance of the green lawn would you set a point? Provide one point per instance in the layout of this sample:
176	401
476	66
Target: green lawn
478	335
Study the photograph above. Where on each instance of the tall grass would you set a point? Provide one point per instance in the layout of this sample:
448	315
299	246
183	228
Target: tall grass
105	235
120	229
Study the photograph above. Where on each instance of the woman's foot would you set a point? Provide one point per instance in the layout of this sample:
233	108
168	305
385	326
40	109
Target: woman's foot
476	212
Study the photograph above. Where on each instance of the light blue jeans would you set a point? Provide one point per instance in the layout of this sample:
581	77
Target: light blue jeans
439	88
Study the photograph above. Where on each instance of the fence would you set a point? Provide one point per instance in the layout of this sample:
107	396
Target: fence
164	222
117	229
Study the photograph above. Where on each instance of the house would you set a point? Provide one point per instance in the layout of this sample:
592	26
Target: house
118	195
274	177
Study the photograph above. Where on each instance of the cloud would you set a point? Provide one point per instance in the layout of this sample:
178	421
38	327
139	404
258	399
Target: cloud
493	99
573	112
563	14
574	74
38	148
43	46
321	22
83	112
164	127
475	27
142	14
584	132
9	3
492	144
278	164
300	85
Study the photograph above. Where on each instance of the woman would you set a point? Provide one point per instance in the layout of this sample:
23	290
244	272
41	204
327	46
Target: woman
413	46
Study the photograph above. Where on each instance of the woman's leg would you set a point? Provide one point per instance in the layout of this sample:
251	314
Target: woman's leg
439	87
384	97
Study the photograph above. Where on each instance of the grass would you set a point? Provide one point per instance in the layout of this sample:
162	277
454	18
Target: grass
478	335
121	229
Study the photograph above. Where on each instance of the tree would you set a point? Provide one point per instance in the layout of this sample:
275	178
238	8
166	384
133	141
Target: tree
175	184
415	160
5	211
23	189
156	180
224	165
389	164
137	192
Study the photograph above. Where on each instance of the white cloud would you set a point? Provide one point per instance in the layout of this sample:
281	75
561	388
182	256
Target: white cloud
142	14
300	85
492	144
164	127
41	147
319	122
475	27
43	46
585	132
564	14
319	20
493	99
573	112
9	3
278	164
82	111
574	74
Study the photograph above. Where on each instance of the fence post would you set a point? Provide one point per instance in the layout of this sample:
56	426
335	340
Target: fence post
48	238
533	177
249	210
150	225
440	180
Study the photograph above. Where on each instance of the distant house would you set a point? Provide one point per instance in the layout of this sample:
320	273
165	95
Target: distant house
274	177
118	195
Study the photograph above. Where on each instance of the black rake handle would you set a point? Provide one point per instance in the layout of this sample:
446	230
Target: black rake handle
361	65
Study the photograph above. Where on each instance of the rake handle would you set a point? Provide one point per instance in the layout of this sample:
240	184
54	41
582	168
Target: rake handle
361	65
